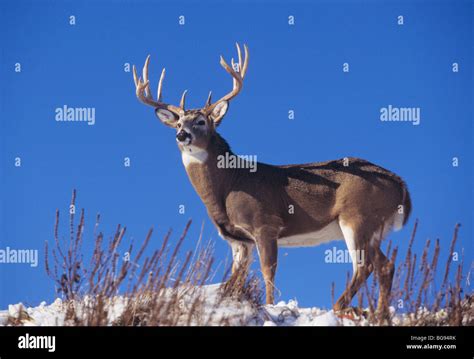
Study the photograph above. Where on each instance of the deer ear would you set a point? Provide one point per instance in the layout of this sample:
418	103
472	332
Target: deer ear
218	112
166	117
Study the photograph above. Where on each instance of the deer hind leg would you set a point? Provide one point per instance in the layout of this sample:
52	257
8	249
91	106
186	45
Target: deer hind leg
358	246
384	270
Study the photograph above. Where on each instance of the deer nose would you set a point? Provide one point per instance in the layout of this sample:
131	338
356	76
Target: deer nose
182	136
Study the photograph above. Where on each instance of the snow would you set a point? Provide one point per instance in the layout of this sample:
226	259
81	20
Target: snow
290	314
234	312
42	315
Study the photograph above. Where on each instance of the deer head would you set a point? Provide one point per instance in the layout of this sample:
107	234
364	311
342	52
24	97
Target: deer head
194	127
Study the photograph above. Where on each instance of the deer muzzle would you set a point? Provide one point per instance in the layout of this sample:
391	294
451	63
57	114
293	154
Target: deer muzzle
184	137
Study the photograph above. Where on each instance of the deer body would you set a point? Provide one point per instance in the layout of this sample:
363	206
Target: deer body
239	201
285	206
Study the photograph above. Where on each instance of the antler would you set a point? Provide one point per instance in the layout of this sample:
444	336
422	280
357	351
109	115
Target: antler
237	71
144	93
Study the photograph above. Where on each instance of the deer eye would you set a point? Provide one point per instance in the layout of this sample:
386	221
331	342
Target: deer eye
201	122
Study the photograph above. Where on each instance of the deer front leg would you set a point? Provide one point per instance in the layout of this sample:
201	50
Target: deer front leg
268	253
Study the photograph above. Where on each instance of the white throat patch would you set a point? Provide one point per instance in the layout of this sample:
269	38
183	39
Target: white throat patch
192	154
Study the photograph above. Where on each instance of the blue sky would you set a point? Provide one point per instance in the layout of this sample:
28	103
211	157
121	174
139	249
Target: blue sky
291	68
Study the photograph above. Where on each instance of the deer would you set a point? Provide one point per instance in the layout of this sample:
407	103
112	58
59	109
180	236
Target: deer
296	205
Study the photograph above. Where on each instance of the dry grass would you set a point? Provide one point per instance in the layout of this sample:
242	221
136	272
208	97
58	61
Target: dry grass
167	288
159	289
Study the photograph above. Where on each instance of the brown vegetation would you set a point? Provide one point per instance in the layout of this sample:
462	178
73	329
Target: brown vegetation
161	289
158	289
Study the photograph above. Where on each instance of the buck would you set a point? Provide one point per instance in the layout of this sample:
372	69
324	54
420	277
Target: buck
284	206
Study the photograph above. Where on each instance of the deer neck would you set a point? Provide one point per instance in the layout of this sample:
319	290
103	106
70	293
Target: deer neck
210	182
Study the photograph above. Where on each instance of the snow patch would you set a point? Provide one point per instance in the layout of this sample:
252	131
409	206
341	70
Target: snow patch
234	312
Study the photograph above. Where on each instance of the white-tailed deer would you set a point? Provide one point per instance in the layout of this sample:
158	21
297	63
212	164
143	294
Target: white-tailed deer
287	206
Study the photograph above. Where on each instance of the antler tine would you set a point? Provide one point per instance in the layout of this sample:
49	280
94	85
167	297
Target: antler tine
135	77
243	69
183	100
232	64
239	54
208	102
160	84
145	77
242	65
